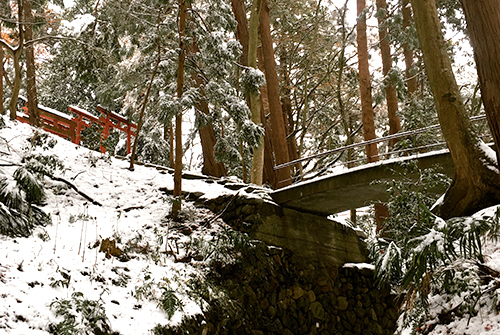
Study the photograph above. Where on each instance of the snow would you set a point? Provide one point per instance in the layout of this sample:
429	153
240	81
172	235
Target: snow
28	266
77	25
359	266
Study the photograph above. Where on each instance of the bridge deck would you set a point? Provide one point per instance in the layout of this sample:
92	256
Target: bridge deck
353	188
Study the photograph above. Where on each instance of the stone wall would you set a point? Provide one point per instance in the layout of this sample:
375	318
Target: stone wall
274	291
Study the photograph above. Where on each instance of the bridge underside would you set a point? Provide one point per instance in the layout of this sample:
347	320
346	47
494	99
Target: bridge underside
354	188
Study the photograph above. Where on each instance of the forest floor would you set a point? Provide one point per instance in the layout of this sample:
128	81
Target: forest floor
58	279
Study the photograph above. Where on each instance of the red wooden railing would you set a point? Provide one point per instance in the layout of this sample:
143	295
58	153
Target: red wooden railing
71	127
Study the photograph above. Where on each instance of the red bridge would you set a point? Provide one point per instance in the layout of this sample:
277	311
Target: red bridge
68	127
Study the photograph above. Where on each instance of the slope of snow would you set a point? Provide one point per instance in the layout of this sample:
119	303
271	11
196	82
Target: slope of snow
133	208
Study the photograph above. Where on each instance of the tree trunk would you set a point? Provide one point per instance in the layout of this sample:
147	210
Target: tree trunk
483	23
207	133
366	102
176	206
268	173
476	184
2	55
17	83
15	52
391	95
286	105
278	137
208	140
411	79
171	142
256	173
240	15
34	114
365	85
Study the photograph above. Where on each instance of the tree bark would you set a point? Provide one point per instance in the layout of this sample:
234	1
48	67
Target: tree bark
365	85
15	52
278	137
2	55
286	105
268	173
366	103
208	140
476	184
207	133
411	79
391	95
34	113
242	34
256	173
176	206
483	23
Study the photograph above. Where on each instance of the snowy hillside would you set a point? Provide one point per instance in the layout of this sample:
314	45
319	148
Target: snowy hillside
63	259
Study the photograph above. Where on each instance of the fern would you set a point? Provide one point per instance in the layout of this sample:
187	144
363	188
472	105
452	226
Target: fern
169	302
80	316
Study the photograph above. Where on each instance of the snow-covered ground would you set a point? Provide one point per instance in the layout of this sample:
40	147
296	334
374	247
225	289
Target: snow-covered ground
40	272
61	259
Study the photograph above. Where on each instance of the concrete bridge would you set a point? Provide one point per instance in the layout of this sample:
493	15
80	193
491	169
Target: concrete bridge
355	188
297	218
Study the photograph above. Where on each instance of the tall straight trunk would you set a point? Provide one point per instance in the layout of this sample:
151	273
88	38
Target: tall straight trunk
242	33
207	133
365	85
2	55
366	102
256	173
483	23
171	142
268	173
476	183
286	105
15	52
411	79
391	95
176	206
278	137
34	114
17	83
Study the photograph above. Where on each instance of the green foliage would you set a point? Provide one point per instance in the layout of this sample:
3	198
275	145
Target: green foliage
169	302
21	192
80	316
144	291
228	244
30	183
424	255
253	80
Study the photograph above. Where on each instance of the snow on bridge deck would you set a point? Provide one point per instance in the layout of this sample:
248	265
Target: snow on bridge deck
355	188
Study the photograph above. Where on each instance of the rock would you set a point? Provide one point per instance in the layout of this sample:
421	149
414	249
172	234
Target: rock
109	247
311	296
317	310
342	303
297	292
